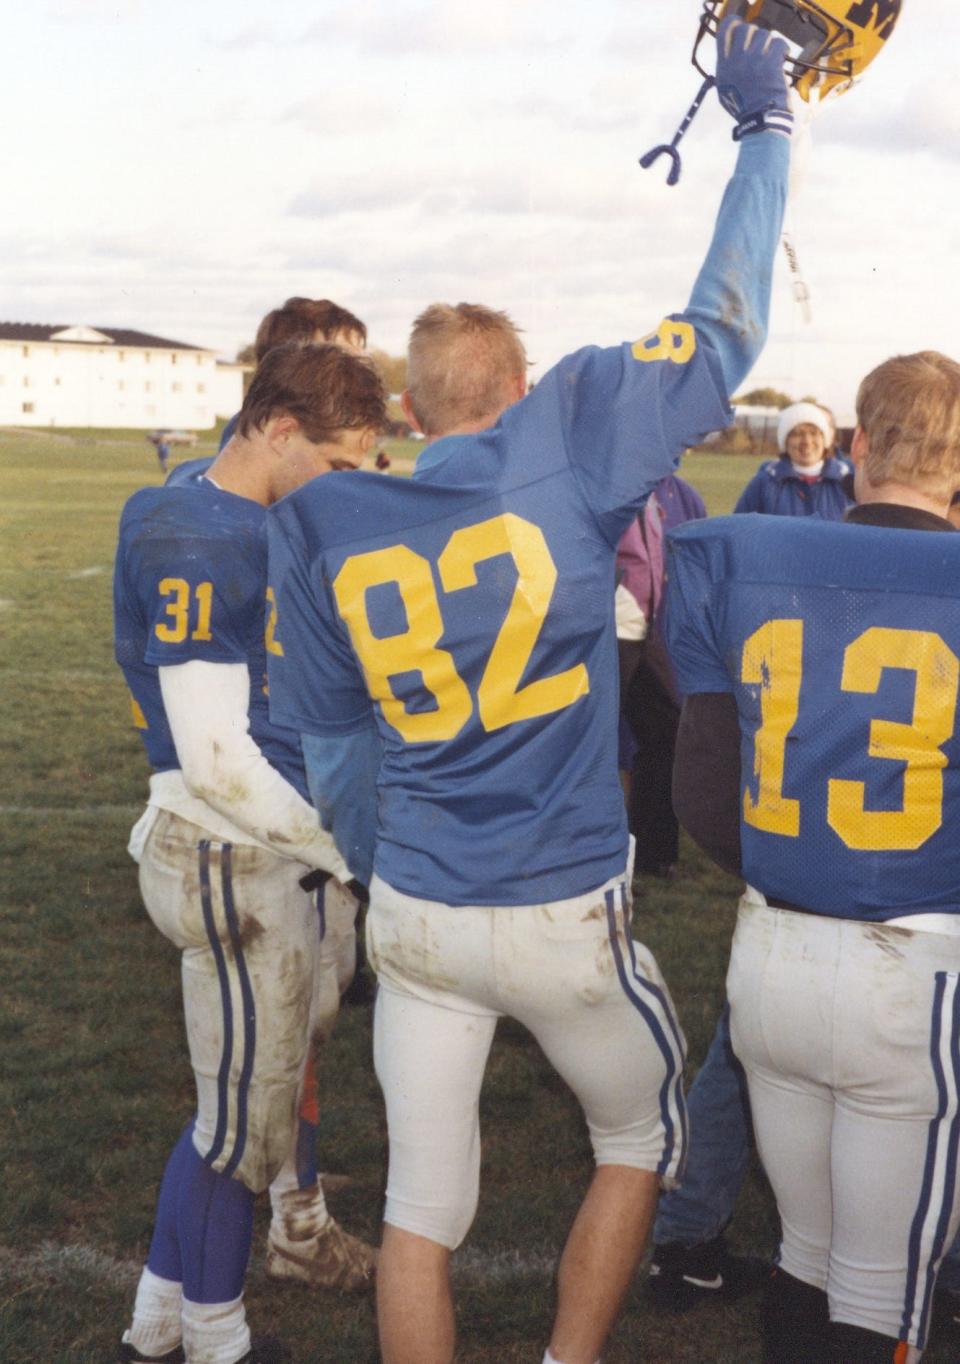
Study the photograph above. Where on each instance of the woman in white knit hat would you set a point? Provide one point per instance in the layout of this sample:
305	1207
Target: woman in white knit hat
807	480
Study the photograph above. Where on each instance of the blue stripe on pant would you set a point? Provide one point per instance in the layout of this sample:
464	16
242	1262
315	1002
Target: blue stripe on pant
939	1186
667	1038
248	1007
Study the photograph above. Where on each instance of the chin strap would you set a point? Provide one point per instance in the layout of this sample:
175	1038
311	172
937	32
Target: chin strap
670	149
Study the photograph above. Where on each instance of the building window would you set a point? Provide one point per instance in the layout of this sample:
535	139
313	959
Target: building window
26	352
173	358
201	388
26	381
148	387
56	381
176	388
146	357
27	407
121	385
121	356
201	359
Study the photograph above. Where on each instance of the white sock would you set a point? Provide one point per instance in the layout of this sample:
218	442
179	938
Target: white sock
215	1332
156	1327
298	1214
548	1358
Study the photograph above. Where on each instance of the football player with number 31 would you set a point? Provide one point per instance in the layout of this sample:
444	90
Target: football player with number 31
819	753
227	837
460	625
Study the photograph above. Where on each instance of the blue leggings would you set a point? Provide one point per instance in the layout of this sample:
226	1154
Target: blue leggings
204	1227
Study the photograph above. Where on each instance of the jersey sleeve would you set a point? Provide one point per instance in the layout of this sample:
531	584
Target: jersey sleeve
690	619
198	597
315	683
629	412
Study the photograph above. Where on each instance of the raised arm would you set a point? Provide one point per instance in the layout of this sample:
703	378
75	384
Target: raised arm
730	302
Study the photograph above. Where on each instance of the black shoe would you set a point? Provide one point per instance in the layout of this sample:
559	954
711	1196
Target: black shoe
682	1276
129	1354
945	1328
266	1350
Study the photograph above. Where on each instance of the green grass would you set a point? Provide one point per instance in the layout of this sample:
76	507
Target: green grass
94	1080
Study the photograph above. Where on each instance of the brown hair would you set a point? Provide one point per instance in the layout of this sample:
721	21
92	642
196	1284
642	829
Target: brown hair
325	388
909	408
300	319
460	362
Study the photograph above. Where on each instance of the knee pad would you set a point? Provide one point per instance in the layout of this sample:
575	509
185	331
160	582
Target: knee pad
447	1223
251	1146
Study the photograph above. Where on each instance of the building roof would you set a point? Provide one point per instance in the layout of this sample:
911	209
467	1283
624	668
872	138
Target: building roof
85	335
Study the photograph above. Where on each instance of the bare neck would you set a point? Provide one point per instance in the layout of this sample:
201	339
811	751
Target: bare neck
240	469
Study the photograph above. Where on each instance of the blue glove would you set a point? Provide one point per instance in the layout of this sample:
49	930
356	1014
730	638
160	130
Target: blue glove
750	80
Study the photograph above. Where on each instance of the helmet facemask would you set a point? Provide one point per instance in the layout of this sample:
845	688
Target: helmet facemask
829	51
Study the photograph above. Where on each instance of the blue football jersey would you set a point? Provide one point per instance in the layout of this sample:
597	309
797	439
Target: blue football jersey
841	647
473	604
190	471
190	583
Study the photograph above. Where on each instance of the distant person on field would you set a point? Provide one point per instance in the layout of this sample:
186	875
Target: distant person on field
158	439
806	480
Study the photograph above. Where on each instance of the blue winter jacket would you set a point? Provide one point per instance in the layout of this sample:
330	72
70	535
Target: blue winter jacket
777	490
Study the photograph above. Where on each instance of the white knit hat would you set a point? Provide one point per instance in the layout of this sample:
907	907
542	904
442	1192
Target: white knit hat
797	414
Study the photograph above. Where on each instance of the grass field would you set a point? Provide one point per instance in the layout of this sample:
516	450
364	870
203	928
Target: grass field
94	1080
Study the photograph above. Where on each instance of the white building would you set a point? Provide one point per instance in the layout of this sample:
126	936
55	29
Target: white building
104	376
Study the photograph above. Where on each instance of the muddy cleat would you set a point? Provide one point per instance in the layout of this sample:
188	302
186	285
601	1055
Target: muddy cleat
331	1259
129	1354
682	1276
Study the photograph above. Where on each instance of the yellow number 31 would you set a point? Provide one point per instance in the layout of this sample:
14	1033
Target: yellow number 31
501	700
773	659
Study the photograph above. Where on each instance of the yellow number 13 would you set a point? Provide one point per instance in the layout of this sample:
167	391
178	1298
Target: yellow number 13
501	700
773	659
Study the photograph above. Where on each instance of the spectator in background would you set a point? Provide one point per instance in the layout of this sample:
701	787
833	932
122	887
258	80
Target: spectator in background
649	702
806	480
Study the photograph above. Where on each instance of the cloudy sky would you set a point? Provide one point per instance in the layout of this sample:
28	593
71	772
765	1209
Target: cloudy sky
182	166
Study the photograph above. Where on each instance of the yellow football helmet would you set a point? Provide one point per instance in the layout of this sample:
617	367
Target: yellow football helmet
834	40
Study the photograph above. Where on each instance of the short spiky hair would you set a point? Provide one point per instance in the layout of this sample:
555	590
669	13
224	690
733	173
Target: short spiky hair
460	363
325	388
909	408
300	319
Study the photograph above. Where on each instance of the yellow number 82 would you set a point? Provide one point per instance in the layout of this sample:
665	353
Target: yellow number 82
501	700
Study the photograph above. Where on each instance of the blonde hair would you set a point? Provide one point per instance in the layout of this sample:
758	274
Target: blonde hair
461	362
909	408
